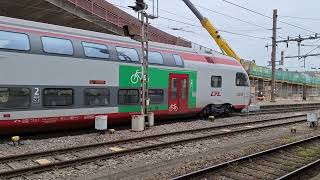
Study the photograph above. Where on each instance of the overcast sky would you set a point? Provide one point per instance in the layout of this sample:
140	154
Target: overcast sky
247	48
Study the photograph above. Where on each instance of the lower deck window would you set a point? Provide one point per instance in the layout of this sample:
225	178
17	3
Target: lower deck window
128	96
216	81
57	97
14	97
156	96
97	97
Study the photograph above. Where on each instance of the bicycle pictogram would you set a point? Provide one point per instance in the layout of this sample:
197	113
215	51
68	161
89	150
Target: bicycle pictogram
173	107
136	77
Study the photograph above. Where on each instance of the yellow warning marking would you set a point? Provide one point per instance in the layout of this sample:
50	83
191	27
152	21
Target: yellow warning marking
226	130
43	161
249	126
116	149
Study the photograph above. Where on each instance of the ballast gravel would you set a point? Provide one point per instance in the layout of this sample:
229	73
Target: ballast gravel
29	146
173	161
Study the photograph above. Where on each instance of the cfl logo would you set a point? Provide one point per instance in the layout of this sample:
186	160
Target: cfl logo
215	93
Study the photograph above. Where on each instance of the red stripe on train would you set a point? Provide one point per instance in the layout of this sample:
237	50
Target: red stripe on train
76	121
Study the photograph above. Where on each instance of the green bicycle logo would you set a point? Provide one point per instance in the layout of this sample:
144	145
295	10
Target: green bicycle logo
136	77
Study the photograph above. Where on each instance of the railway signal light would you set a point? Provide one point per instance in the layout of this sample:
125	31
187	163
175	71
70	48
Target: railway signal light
140	5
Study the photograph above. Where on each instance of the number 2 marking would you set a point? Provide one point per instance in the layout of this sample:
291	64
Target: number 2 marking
36	93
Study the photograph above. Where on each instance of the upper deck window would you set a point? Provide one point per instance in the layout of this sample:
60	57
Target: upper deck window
178	60
57	46
95	50
155	57
127	54
15	41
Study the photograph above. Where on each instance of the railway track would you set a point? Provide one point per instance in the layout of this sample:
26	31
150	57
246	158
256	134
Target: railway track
282	162
18	165
279	110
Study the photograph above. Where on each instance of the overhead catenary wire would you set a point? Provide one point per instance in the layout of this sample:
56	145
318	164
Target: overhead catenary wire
170	19
255	12
232	17
199	26
225	31
314	48
302	18
228	32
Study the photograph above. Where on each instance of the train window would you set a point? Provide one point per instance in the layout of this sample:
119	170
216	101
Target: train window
178	60
14	98
57	46
97	97
128	96
241	79
216	81
57	97
15	41
174	88
95	50
155	57
127	54
156	96
184	89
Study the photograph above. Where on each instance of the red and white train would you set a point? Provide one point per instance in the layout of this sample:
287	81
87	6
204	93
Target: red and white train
59	77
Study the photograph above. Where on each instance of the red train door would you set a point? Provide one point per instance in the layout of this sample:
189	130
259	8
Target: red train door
178	92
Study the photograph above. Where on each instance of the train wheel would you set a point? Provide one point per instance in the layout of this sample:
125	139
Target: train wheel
228	110
204	114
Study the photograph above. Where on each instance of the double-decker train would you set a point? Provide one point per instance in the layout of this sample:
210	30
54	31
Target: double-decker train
59	77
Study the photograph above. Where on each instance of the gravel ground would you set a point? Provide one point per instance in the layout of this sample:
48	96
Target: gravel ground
69	141
197	155
172	161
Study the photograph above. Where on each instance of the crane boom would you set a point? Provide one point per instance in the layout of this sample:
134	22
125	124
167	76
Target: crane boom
224	46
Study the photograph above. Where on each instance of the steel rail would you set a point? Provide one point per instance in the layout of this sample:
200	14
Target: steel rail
67	163
289	105
299	171
210	169
284	110
290	108
83	147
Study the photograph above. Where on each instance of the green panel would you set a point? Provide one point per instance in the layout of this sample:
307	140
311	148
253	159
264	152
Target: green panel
130	77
